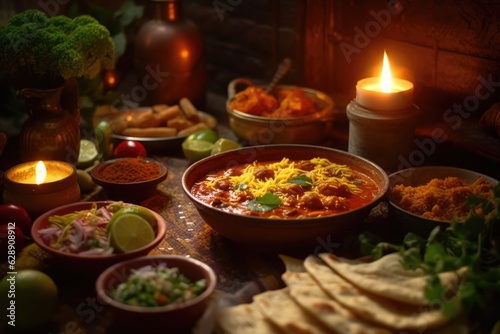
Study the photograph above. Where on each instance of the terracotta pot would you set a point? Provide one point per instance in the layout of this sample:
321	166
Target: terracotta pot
52	132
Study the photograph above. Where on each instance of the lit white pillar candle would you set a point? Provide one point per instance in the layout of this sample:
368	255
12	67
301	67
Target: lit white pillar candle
382	119
384	92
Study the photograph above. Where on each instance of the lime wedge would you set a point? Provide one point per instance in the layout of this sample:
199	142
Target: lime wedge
135	210
223	145
195	150
129	232
88	154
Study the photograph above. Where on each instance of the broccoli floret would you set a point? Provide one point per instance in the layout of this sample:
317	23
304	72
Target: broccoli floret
55	48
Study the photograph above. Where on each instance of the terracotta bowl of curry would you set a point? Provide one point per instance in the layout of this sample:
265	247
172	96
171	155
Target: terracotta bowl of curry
423	198
284	197
129	179
305	118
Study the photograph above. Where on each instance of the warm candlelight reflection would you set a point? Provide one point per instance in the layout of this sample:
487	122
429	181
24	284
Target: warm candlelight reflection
110	79
41	172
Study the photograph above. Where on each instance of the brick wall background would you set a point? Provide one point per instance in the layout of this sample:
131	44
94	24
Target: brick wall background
444	47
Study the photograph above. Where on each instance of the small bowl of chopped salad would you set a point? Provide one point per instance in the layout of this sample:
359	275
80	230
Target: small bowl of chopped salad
151	292
89	237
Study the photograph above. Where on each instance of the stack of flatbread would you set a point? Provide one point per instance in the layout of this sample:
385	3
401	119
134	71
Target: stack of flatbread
327	294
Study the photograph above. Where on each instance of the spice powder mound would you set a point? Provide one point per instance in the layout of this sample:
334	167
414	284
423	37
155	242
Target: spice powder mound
128	170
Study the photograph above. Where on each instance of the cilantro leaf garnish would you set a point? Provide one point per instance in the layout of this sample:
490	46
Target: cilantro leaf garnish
301	180
264	203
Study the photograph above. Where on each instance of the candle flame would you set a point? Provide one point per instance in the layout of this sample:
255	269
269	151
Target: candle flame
386	78
41	172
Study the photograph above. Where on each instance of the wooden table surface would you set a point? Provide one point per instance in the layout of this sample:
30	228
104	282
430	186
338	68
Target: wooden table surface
241	272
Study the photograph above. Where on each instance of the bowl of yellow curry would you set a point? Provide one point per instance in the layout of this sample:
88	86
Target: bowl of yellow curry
280	197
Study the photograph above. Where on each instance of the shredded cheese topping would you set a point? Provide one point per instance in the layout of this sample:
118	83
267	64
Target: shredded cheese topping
324	171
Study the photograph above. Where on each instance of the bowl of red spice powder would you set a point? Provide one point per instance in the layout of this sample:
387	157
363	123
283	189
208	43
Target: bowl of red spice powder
129	179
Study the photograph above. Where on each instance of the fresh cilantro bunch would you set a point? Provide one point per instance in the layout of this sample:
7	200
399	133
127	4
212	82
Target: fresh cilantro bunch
473	243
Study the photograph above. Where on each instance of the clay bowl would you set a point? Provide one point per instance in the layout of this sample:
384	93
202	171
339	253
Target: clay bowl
90	264
259	130
132	191
279	234
403	221
177	318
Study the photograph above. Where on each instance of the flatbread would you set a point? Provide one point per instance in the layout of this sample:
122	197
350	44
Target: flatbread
306	292
243	319
279	308
373	308
386	277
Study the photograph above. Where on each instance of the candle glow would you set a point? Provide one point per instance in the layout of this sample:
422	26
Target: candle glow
384	92
386	77
39	186
41	172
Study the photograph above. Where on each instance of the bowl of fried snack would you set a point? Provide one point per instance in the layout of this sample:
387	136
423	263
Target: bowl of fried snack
422	198
159	127
284	115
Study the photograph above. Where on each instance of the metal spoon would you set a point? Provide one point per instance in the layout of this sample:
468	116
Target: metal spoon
282	69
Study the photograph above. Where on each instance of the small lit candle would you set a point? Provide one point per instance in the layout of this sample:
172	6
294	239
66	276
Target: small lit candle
384	92
39	186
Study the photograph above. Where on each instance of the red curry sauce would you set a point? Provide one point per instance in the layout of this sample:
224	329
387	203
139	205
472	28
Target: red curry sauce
328	188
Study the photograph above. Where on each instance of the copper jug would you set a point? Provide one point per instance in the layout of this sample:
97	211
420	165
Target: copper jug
169	57
52	132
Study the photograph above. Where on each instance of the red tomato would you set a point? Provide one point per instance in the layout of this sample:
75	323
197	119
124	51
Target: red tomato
130	148
11	240
13	213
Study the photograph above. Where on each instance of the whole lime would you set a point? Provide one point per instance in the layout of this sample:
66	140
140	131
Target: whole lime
206	135
30	298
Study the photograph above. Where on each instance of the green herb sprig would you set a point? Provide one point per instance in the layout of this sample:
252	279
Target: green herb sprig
473	243
301	180
264	203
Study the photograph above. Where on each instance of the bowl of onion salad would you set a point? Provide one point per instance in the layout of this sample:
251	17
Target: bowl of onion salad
157	286
155	292
75	235
82	231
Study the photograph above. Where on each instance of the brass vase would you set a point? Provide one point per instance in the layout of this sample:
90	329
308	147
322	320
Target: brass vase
52	132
